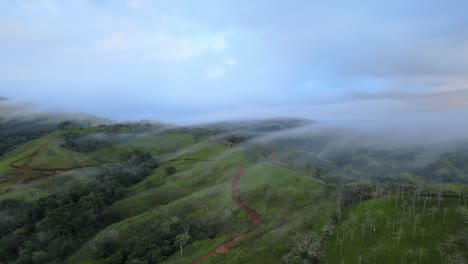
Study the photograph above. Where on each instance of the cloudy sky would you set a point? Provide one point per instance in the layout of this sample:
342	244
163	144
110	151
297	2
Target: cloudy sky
197	61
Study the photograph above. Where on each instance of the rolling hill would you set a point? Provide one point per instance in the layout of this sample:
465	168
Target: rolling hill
270	191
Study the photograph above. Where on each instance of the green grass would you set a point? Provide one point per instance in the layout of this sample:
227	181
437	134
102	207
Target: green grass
289	201
200	192
160	144
55	156
356	241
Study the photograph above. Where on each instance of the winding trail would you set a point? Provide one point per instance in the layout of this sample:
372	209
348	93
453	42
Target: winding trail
52	170
255	220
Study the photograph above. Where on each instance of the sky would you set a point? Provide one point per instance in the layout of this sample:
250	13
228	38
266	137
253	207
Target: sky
200	61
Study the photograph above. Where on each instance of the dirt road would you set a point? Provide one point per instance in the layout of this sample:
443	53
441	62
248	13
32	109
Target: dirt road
255	220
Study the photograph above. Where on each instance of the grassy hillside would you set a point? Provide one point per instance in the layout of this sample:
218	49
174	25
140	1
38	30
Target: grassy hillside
147	193
397	229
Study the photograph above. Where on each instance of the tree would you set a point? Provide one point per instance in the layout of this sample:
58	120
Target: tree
182	239
340	243
375	250
65	124
440	198
379	215
424	204
421	253
400	232
463	211
419	188
433	211
416	221
410	253
106	244
306	249
352	224
445	213
442	252
422	232
39	257
339	203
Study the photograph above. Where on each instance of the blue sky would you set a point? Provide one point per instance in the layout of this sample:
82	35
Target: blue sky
199	61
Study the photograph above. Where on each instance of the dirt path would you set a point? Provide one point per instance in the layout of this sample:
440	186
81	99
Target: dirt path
255	220
53	170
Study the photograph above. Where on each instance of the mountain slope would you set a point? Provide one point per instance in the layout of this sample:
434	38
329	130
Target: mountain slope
150	193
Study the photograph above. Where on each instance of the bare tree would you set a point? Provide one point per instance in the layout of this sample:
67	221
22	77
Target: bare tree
424	204
450	242
362	226
379	215
445	213
416	222
463	211
344	227
375	250
411	253
339	203
340	243
433	211
402	192
353	226
440	198
353	230
459	196
442	252
182	239
306	249
400	232
421	253
430	192
456	257
419	188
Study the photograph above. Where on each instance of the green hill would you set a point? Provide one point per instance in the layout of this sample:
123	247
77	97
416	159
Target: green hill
224	193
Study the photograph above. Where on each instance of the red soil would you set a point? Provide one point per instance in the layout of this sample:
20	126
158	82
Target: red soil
255	220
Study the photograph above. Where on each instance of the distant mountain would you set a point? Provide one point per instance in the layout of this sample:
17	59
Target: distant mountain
257	127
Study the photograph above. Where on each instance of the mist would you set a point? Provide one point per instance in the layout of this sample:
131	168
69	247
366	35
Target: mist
360	65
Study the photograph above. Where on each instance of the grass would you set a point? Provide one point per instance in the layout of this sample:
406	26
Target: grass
55	156
372	230
289	202
200	192
160	144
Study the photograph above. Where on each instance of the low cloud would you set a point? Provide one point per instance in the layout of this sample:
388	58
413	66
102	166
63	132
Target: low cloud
425	100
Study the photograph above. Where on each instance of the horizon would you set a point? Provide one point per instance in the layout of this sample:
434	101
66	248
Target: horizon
187	63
